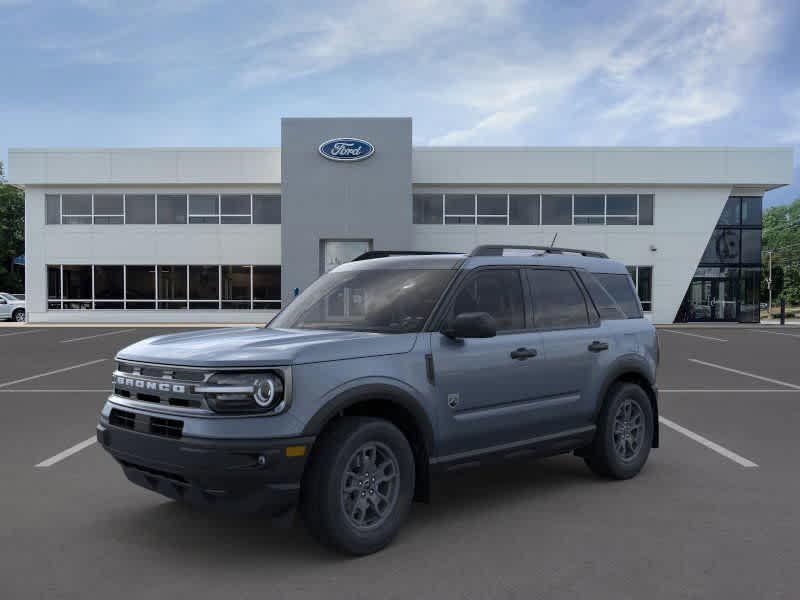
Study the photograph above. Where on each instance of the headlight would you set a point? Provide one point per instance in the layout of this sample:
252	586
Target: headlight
244	392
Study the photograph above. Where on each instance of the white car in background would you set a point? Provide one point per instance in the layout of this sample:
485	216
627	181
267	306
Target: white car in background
12	308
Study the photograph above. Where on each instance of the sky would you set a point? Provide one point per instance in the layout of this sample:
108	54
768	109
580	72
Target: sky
107	73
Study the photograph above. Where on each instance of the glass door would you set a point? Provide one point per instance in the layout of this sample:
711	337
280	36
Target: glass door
711	300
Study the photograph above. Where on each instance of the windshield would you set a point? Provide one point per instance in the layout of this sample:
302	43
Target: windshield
379	300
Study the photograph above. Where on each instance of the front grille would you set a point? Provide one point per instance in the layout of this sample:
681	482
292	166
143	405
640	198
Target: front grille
160	385
171	428
122	418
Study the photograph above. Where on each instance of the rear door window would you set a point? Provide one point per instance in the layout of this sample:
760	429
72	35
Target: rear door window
558	302
606	306
621	289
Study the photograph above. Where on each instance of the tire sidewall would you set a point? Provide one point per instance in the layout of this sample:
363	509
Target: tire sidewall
341	532
16	313
619	468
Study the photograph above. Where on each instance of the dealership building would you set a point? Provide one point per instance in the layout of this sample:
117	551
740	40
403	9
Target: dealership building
232	234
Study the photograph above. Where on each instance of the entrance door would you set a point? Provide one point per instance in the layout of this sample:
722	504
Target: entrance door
712	300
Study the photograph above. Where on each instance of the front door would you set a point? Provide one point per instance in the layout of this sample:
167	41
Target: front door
711	300
487	389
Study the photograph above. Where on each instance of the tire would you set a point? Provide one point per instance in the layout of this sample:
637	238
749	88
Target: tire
334	499
18	315
622	455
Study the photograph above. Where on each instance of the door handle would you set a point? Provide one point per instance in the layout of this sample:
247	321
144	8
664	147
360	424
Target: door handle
597	346
523	353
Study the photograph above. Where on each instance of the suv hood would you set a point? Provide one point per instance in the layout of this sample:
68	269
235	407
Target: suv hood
258	346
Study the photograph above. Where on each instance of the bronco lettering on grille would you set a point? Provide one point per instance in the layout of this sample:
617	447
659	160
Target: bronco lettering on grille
155	386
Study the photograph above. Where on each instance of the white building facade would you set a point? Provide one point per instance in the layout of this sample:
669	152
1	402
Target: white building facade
229	235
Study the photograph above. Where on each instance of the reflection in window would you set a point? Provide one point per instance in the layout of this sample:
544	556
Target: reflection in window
428	209
558	301
235	209
730	213
523	209
751	211
172	286
236	287
589	209
204	208
459	209
266	286
557	209
171	209
54	287
53	209
109	286
497	292
140	209
203	286
77	285
267	208
492	209
723	247
76	209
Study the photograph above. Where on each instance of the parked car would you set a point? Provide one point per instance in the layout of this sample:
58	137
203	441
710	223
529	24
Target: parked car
383	374
763	306
12	308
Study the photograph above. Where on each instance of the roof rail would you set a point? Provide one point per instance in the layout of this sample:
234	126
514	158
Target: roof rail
386	253
497	250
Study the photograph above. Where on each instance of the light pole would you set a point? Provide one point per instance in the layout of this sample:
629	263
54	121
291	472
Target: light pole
769	286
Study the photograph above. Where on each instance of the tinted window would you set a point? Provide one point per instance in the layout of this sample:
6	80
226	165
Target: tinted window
558	302
751	245
497	292
266	209
76	209
171	209
172	282
646	208
621	289
77	282
140	282
203	285
751	211
140	209
428	209
108	209
459	204
235	208
644	285
523	209
730	214
606	305
53	205
266	286
589	209
492	209
236	287
108	282
54	282
203	208
557	209
723	247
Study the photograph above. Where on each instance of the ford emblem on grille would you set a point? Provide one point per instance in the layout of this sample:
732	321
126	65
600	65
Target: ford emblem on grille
346	149
155	386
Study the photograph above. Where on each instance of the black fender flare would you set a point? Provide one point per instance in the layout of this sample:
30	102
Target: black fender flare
632	364
374	391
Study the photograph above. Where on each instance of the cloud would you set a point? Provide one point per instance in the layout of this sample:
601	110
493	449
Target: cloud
498	122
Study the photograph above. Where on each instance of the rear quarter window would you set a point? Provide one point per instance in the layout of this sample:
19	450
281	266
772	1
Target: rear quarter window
606	306
622	291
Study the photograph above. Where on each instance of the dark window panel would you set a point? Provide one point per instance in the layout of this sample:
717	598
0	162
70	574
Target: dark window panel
69	220
193	305
611	220
492	204
109	220
108	282
54	282
235	220
77	305
267	209
140	282
646	209
622	290
427	209
557	300
203	204
523	209
77	282
751	245
459	220
591	204
54	306
171	209
750	295
204	220
106	305
266	282
140	305
235	305
459	204
108	204
497	292
579	220
140	209
236	283
731	213
53	209
645	287
76	204
203	282
274	305
236	204
491	220
621	204
172	282
751	211
556	209
606	306
172	305
723	247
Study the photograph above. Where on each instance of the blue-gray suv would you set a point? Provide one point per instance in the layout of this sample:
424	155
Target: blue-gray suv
385	372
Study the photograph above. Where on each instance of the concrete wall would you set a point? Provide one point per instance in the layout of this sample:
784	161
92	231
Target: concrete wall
325	199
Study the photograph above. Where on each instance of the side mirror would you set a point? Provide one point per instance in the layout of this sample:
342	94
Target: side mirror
471	325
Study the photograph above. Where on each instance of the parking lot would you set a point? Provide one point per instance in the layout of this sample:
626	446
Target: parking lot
713	515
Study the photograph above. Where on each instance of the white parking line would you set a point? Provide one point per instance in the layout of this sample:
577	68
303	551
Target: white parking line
794	335
740	460
746	374
24	379
728	391
697	335
22	332
91	337
67	453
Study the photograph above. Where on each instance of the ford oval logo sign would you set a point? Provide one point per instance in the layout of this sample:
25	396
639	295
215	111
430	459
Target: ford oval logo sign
344	149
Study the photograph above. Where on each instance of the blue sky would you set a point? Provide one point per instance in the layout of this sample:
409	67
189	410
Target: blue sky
90	73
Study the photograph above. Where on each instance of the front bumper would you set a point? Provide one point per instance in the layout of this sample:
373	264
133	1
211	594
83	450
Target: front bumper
242	476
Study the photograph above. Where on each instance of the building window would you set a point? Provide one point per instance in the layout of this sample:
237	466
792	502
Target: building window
523	209
556	209
53	209
236	209
140	209
643	282
163	287
646	209
428	209
204	208
266	209
171	209
109	209
492	209
76	209
621	209
589	209
459	209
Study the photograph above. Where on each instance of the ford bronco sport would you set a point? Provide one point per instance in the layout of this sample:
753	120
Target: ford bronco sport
383	373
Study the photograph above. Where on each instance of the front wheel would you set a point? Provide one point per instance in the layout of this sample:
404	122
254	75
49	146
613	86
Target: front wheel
19	315
624	433
359	486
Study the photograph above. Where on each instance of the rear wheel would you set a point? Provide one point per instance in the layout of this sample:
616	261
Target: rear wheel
359	486
19	315
624	433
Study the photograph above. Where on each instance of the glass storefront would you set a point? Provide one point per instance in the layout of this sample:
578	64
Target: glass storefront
726	284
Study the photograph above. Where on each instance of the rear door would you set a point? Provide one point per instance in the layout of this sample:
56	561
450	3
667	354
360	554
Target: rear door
574	345
487	389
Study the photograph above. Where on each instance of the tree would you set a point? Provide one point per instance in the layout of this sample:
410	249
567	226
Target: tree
781	235
12	235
